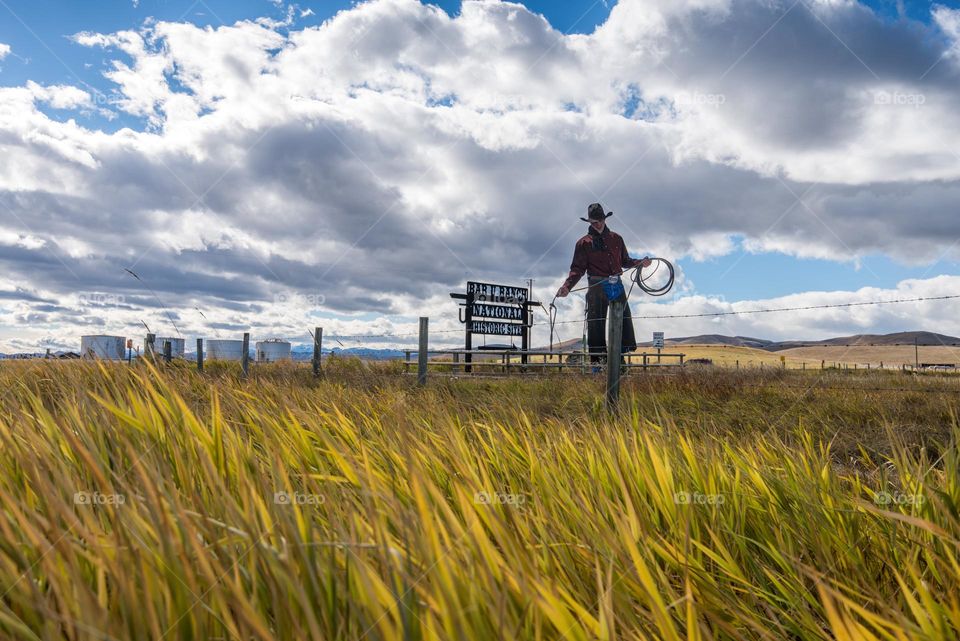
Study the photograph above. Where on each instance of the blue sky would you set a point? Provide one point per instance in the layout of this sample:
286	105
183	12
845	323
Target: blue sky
38	32
886	177
38	29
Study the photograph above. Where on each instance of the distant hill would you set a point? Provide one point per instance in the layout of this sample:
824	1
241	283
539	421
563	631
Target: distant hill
904	338
908	338
716	339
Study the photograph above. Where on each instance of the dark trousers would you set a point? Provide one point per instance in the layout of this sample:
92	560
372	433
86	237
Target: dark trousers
597	306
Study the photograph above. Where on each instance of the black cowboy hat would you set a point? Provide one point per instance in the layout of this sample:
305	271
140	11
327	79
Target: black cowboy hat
594	213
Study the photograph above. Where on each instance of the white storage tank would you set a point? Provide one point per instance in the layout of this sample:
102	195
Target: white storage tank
224	350
102	346
273	350
177	346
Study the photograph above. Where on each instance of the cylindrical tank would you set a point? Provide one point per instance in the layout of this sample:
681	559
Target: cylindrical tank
101	346
177	346
273	350
224	350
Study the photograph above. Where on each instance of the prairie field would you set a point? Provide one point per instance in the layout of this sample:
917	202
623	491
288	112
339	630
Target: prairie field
891	356
159	503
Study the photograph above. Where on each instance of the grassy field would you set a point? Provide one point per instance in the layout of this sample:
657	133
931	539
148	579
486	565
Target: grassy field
800	357
889	356
894	355
730	354
139	504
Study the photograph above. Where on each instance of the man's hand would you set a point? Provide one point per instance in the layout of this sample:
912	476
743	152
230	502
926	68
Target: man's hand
645	262
563	291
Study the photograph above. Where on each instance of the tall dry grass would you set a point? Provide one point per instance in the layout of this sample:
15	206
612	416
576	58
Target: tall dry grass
144	504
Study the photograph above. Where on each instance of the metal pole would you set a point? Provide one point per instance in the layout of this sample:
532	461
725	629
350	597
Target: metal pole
524	337
317	343
422	353
468	336
614	338
199	354
245	356
167	351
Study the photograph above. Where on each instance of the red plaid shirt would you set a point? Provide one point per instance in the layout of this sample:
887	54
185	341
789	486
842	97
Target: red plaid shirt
610	260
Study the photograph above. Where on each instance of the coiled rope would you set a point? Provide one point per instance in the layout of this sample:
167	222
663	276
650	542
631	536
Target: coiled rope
636	278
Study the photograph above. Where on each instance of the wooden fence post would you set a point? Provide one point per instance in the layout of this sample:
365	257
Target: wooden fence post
245	356
614	337
167	351
422	353
149	345
199	354
317	343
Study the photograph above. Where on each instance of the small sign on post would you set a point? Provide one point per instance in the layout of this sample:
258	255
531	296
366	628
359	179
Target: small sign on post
658	343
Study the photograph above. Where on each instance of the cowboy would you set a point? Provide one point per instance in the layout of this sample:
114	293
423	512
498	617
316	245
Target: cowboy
601	254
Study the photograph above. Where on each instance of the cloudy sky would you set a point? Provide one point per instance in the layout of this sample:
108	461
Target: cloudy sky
276	166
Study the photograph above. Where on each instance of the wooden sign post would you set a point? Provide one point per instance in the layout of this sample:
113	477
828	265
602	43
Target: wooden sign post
614	348
317	343
245	356
422	351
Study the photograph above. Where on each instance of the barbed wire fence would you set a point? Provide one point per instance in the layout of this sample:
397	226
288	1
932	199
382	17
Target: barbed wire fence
507	353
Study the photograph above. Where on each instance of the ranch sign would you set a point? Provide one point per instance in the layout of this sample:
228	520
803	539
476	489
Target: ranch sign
490	309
